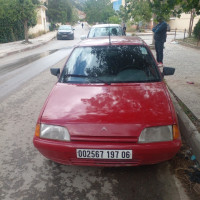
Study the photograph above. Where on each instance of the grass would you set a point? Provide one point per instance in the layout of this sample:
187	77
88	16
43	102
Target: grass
130	28
182	166
191	40
34	35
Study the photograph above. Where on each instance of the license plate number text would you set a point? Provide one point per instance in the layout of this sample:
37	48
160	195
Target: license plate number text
104	154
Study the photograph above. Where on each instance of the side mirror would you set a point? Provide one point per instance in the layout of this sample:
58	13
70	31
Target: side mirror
167	71
55	71
83	37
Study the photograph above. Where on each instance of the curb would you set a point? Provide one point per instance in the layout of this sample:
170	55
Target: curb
26	48
187	129
147	34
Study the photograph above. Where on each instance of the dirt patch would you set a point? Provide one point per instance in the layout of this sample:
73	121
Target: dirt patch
189	42
187	170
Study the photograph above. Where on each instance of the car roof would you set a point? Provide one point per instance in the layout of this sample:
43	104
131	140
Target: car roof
115	40
105	25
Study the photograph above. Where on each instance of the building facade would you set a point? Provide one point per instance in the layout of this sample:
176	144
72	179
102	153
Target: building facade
183	22
117	4
42	24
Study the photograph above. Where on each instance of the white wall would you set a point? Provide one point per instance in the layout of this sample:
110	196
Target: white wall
183	22
42	24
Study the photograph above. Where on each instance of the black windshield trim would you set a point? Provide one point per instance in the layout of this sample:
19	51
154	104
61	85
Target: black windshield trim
107	83
85	76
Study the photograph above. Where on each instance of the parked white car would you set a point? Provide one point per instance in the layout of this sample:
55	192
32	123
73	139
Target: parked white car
102	30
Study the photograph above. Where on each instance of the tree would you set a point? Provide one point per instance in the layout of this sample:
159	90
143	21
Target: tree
59	11
79	4
25	11
15	18
192	7
98	11
124	12
165	8
196	31
114	20
74	16
140	10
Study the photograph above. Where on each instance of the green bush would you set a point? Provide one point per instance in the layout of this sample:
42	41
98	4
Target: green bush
114	20
10	31
196	31
52	27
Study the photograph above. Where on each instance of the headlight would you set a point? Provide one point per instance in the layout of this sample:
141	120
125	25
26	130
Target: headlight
58	33
156	134
54	132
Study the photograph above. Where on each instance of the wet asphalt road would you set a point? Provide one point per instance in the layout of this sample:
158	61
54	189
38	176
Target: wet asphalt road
26	174
23	61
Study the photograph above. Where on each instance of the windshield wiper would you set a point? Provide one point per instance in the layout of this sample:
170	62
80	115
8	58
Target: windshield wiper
85	76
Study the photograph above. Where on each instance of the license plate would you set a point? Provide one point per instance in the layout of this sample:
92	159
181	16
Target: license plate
104	154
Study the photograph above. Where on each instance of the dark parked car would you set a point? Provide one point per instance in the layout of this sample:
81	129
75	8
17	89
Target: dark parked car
65	32
110	107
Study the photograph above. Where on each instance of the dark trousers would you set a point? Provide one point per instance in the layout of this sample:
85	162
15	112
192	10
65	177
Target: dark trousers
159	46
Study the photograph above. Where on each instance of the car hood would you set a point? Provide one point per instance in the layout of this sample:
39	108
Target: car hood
99	109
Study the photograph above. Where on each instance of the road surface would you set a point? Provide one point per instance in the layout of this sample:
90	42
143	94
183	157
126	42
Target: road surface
25	83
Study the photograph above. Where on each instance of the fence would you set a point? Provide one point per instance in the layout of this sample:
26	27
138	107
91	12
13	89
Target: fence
186	39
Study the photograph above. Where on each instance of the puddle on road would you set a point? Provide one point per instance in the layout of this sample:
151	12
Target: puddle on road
24	61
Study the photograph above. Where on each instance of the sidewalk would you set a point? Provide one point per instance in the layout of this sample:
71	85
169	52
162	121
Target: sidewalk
185	83
15	47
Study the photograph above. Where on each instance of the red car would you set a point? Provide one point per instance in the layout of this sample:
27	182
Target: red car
110	107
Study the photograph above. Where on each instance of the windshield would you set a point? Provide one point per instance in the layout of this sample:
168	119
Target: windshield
110	64
65	28
104	31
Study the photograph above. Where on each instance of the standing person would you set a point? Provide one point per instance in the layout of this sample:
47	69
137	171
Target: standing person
160	35
124	28
82	25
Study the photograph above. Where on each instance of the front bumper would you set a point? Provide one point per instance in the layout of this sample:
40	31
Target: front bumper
143	154
65	36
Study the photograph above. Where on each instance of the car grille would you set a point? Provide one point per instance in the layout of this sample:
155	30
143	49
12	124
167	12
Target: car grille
127	139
